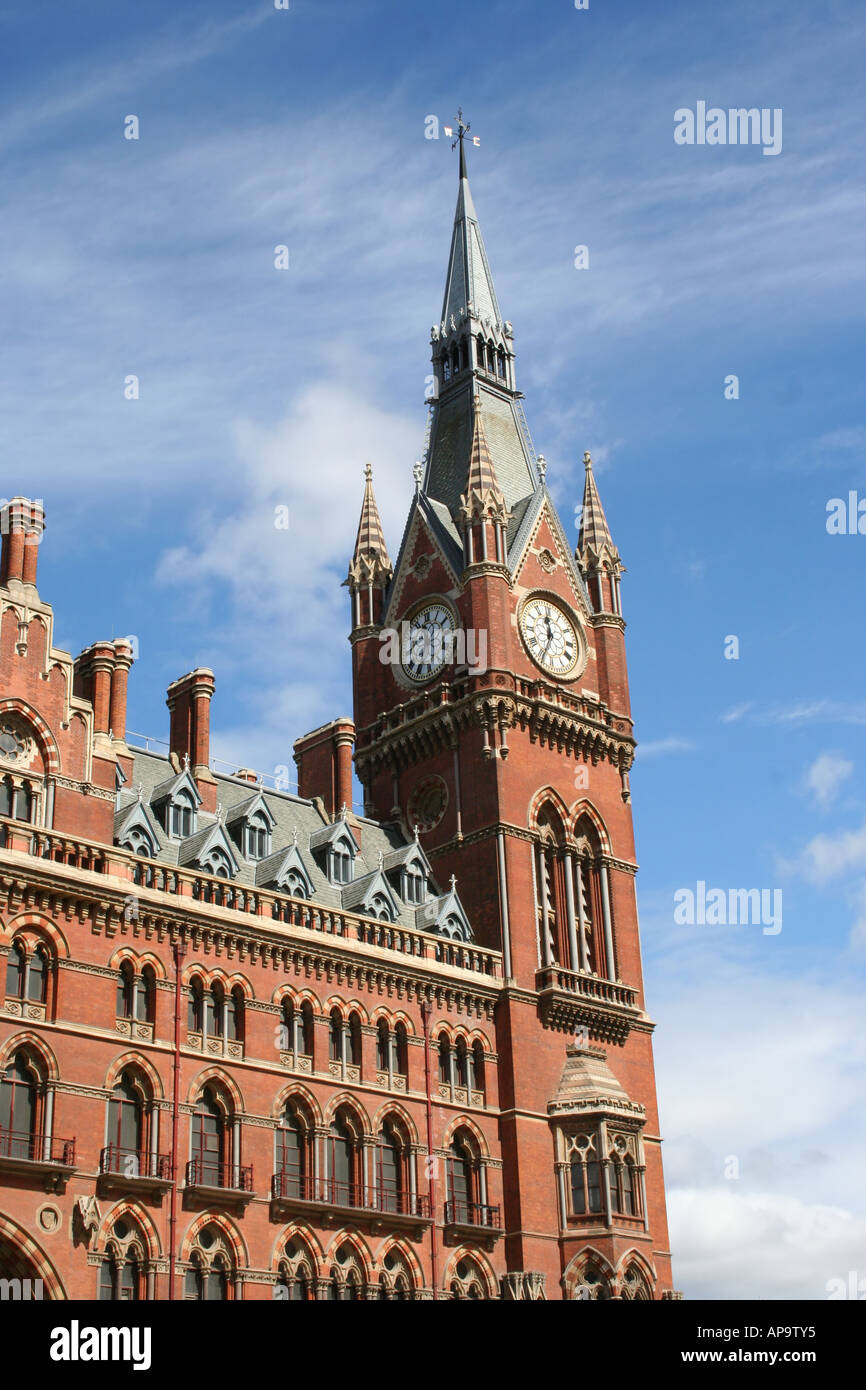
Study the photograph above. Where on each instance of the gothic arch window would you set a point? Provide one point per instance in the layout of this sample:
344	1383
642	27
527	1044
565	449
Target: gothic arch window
392	1165
623	1188
396	1282
455	361
463	357
294	1153
217	863
446	368
211	1156
463	1175
467	1282
444	1055
500	363
414	885
401	1048
22	1087
294	884
140	843
295	1279
336	1036
452	927
235	1015
491	359
211	1274
344	1159
591	1284
551	893
122	1272
347	1276
125	1137
125	990
339	864
195	1005
28	971
635	1285
479	351
587	1197
297	1028
479	1083
258	836
592	899
307	1028
460	1058
383	1045
380	908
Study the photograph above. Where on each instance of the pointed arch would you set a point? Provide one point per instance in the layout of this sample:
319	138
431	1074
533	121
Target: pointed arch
24	1248
306	1236
391	1110
465	1262
42	927
36	1047
216	1076
346	1102
353	1238
135	1061
398	1245
294	1090
232	1234
297	996
48	747
127	1209
546	796
589	1270
584	808
465	1124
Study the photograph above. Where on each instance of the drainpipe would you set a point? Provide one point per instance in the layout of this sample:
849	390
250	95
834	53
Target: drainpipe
426	1010
179	953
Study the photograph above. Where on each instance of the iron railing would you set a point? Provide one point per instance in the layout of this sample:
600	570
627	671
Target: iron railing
36	1148
134	1163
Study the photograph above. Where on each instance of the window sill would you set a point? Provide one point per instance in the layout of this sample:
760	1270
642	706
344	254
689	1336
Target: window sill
133	1028
25	1008
298	1062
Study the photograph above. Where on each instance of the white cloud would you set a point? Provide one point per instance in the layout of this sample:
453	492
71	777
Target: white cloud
826	775
660	747
829	856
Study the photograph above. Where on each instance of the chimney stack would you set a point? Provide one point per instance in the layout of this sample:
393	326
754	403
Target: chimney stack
22	523
324	759
188	700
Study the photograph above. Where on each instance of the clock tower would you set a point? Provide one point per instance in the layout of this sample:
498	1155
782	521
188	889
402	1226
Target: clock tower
492	713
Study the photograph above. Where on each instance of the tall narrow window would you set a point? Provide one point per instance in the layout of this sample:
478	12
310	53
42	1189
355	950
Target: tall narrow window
291	1153
209	1140
336	1039
16	970
401	1064
460	1181
23	802
383	1045
19	1094
125	1128
195	1012
145	1002
390	1169
126	990
235	1018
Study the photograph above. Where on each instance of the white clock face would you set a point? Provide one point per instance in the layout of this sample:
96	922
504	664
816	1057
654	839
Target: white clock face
429	644
550	636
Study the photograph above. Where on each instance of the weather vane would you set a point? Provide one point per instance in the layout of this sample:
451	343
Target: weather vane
463	128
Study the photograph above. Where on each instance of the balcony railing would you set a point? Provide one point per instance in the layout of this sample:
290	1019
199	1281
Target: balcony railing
589	987
233	1177
135	1163
290	1186
460	1213
209	892
35	1148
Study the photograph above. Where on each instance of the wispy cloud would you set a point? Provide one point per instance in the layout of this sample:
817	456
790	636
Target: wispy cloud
826	776
661	747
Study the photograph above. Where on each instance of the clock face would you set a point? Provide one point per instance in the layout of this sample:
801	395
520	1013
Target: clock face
550	636
428	647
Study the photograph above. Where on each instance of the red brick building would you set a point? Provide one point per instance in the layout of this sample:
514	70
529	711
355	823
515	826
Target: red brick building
253	1045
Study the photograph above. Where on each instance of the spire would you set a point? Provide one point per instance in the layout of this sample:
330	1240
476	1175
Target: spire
483	496
370	562
594	542
473	356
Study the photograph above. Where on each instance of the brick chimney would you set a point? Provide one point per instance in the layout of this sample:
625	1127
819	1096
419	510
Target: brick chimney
93	673
324	759
188	700
22	523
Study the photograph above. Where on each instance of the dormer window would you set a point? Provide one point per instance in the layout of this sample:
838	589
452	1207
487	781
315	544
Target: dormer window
414	887
217	862
258	837
181	816
339	864
294	884
381	908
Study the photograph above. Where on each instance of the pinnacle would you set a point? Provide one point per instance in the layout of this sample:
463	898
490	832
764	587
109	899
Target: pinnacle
370	561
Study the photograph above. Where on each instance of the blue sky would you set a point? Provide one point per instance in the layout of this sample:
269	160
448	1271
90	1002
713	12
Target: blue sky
261	387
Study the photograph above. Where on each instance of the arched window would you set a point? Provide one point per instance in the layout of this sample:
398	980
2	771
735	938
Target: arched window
214	1015
145	1003
126	990
296	1282
478	1067
467	1282
463	358
623	1188
27	972
585	1183
124	1153
340	861
461	1182
121	1273
209	1142
258	836
195	1014
7	797
181	815
460	1063
235	1015
455	361
307	1028
392	1162
383	1045
500	363
210	1275
354	1057
294	884
402	1050
446	368
491	360
20	1086
444	1060
347	1277
381	908
336	1036
293	1154
345	1161
479	351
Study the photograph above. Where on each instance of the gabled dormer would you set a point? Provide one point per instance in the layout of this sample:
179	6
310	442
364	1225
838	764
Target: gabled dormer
287	872
408	870
373	896
251	825
335	848
210	850
445	916
176	802
135	829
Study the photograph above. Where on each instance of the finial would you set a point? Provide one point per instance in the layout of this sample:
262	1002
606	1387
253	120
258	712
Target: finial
541	463
186	762
453	883
417	474
587	461
463	128
368	472
381	860
140	791
343	811
416	834
219	813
